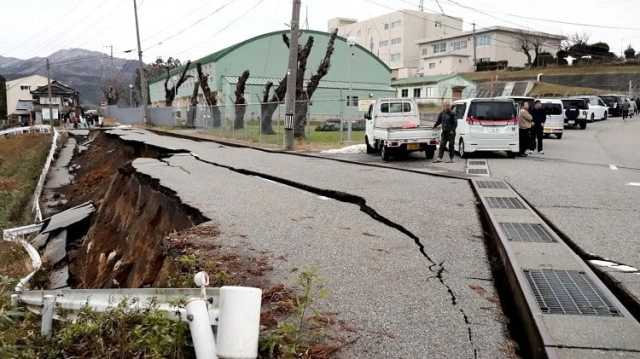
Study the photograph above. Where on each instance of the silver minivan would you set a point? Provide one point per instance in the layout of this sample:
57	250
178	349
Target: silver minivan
555	116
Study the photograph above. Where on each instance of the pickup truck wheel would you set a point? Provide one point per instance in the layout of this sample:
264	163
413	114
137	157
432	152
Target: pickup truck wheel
583	125
430	152
461	151
385	153
370	149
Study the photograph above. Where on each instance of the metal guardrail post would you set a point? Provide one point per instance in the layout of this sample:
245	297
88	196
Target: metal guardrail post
200	327
239	322
48	308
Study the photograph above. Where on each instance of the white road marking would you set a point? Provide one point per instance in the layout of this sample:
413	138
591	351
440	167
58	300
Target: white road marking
613	167
613	265
634	184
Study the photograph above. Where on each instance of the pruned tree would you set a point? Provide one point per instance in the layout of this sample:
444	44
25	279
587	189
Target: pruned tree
111	95
241	102
170	92
269	107
209	96
193	106
302	103
530	45
265	126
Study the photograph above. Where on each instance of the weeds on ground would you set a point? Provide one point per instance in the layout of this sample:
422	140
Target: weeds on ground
187	265
301	334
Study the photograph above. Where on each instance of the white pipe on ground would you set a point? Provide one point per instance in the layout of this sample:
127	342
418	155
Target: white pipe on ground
239	324
200	327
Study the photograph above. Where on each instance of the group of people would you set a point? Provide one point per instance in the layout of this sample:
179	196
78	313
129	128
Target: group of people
531	128
628	109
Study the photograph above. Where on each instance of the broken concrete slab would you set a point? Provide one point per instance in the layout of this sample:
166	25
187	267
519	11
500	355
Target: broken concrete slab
59	173
59	278
66	218
56	249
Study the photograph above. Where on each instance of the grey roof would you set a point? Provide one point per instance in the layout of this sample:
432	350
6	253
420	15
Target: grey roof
512	30
66	218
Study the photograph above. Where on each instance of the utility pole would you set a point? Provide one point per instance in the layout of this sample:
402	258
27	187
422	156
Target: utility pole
290	100
143	80
475	48
49	93
421	6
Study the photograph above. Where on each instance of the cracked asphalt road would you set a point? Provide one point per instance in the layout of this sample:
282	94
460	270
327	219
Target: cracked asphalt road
402	305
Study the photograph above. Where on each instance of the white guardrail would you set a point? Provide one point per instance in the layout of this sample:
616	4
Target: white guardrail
43	177
234	310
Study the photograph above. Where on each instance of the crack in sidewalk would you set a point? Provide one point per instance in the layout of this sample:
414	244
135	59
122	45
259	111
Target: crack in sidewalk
438	269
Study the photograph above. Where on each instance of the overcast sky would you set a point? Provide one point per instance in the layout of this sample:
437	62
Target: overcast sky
189	29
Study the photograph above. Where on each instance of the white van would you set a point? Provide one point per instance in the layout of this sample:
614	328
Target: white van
555	116
486	124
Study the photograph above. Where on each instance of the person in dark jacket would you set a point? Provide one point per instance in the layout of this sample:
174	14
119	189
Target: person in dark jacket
447	119
537	131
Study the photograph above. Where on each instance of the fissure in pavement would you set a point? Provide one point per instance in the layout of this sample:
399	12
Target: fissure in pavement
438	269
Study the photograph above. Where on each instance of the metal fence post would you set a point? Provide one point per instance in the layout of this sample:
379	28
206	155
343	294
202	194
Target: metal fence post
48	308
200	328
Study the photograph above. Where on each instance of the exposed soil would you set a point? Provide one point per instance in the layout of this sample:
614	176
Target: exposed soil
14	260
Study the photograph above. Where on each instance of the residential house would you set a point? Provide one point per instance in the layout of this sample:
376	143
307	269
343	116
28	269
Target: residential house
430	90
63	100
393	37
19	93
455	53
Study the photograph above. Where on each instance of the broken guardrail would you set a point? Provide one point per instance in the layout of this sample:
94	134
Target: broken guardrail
43	176
235	311
17	235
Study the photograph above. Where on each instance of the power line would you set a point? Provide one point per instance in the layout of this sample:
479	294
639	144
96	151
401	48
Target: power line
191	25
576	23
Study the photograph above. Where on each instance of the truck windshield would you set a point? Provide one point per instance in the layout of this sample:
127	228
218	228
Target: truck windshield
395	107
492	110
552	108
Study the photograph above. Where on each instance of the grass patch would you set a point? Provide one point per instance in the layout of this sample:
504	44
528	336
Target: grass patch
544	89
21	161
553	70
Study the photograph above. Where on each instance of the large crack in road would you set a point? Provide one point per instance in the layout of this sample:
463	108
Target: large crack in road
437	268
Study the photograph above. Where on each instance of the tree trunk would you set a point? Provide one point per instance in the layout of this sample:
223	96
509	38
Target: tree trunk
266	117
300	120
210	97
193	108
170	93
241	102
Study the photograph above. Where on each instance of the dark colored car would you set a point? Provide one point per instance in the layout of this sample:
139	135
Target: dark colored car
575	112
614	102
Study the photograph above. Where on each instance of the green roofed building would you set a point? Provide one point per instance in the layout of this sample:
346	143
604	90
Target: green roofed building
355	73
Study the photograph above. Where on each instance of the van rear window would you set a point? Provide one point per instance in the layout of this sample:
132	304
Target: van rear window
395	107
552	108
580	104
492	110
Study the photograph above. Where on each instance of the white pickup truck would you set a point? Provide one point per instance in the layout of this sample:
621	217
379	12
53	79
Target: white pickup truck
393	128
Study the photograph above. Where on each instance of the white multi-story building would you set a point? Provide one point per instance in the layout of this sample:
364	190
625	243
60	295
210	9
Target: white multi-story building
455	54
20	90
393	37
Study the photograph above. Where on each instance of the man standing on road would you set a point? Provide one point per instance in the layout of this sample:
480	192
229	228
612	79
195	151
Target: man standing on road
539	118
524	124
447	119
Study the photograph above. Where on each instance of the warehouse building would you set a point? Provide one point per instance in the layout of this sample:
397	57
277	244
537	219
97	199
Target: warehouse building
355	74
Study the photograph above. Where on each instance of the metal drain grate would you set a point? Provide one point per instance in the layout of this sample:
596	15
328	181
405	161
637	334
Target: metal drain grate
504	202
477	171
527	232
568	292
491	184
477	163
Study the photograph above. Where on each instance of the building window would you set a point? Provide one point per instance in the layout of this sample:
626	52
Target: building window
395	57
459	44
439	47
386	26
432	65
416	93
395	24
383	43
483	40
396	41
430	92
425	51
404	93
24	87
352	101
438	24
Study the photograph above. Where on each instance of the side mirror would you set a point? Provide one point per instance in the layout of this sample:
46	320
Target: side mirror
367	116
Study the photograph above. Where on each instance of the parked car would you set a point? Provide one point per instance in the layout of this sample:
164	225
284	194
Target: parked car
576	111
555	116
393	127
598	109
486	125
614	103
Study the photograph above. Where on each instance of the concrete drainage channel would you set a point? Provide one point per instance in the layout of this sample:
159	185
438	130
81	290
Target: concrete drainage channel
565	310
